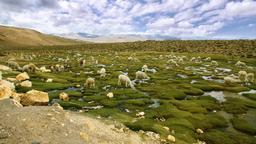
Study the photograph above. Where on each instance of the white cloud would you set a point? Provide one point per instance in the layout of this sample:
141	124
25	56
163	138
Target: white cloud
251	25
170	17
161	24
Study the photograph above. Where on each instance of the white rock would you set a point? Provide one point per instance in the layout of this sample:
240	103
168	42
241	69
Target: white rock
199	131
11	79
5	68
171	138
110	95
34	97
139	114
22	76
26	83
49	80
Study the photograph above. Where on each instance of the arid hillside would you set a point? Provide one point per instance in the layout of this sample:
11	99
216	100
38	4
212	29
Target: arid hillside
12	36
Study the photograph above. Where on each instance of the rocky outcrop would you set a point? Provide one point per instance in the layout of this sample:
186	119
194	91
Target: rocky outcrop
22	76
34	97
51	124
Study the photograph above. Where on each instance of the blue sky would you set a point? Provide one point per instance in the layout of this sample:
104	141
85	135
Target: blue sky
187	19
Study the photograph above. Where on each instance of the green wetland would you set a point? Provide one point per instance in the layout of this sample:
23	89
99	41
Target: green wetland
178	98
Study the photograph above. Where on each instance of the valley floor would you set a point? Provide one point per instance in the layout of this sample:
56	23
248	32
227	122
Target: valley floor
180	97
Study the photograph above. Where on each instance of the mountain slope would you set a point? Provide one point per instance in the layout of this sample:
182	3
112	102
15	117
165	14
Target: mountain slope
12	36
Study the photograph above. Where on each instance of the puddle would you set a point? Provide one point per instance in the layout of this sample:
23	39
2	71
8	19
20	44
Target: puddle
182	76
193	81
156	103
226	70
139	81
107	87
209	78
93	107
248	92
71	89
218	95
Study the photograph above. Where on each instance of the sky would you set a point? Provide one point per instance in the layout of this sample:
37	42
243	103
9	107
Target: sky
187	19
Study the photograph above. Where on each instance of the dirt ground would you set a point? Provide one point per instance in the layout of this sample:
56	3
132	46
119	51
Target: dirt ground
52	125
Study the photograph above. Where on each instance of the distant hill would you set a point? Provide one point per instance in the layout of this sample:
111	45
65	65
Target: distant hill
115	38
12	36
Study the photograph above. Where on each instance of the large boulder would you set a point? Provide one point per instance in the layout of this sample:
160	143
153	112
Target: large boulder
34	97
22	76
6	89
26	83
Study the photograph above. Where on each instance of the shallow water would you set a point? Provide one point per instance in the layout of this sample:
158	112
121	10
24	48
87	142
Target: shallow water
72	89
182	76
252	91
224	69
221	95
209	78
156	103
218	95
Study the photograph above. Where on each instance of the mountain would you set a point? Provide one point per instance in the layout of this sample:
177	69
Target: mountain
12	36
116	37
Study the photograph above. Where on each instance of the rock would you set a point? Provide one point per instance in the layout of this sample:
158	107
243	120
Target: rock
153	135
34	97
139	114
5	68
8	84
110	95
22	76
6	89
64	96
166	128
11	79
199	131
171	138
57	105
16	103
26	83
5	92
49	80
16	96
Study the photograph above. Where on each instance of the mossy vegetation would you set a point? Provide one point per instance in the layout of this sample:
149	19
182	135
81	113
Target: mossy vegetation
173	97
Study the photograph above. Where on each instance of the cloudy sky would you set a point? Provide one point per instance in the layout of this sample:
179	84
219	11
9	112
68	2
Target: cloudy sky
180	18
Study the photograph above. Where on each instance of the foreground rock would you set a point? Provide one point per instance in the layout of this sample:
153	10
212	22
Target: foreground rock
34	97
6	89
50	124
5	68
22	76
26	83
